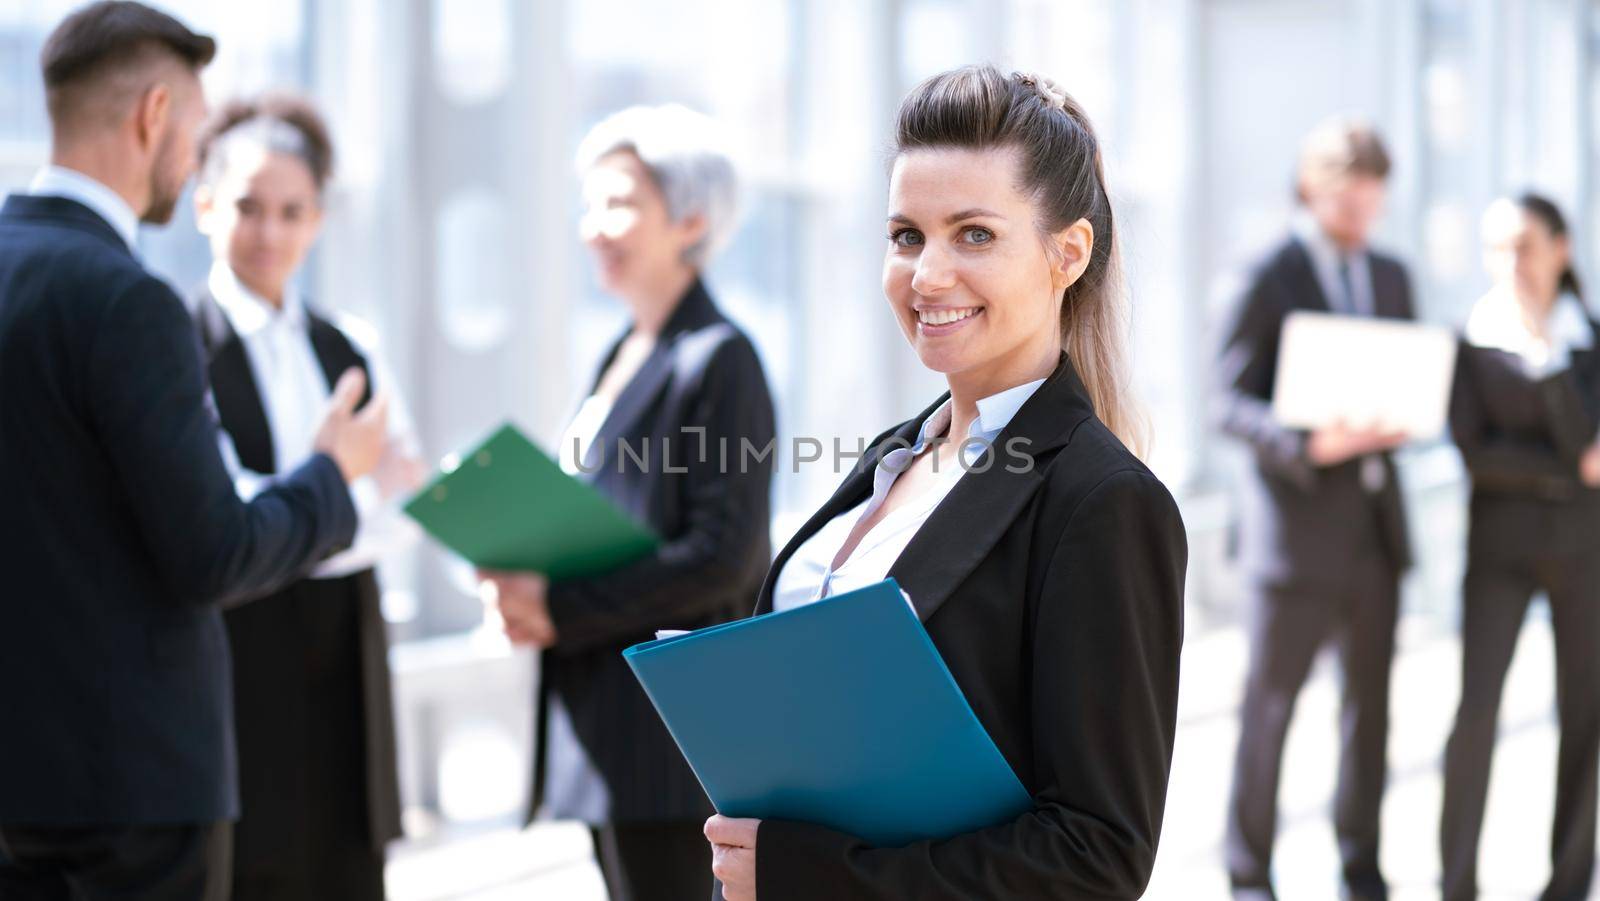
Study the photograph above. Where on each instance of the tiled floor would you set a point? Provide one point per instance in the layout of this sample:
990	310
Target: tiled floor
552	862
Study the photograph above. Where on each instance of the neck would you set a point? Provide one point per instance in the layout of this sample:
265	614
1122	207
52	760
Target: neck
272	294
653	307
973	385
1536	309
108	166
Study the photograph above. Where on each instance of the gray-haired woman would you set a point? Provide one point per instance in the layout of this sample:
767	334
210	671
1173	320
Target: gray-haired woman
677	387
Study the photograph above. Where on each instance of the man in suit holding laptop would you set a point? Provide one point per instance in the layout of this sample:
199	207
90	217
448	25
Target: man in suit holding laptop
1323	536
120	533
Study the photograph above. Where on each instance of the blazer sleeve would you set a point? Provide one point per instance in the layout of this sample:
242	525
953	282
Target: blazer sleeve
1247	367
1104	683
725	513
150	407
1507	463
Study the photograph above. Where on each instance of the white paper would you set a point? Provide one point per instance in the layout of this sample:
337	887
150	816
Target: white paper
1367	373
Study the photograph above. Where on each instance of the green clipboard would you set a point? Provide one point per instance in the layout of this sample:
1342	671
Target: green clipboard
505	504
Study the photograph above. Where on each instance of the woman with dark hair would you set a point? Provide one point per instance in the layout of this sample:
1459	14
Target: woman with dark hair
1525	411
1044	559
317	777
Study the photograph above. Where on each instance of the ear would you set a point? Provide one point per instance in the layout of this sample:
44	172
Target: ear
1074	246
150	115
693	228
205	200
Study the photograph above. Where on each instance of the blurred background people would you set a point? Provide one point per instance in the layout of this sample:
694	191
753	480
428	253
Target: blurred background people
1045	560
312	706
1323	540
679	385
121	534
1524	413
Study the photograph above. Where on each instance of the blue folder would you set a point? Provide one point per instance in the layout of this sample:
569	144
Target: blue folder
839	713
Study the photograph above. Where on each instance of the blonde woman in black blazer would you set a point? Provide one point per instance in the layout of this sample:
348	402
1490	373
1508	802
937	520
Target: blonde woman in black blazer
1049	573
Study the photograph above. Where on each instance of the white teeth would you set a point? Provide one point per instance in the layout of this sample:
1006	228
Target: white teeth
944	316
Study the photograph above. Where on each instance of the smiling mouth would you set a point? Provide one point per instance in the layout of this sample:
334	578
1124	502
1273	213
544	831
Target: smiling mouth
946	315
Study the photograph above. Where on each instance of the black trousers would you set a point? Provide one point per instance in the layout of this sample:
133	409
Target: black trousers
655	861
1287	631
187	862
1495	598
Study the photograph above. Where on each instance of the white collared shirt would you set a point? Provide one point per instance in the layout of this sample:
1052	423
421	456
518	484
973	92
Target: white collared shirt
294	396
59	181
809	576
1325	259
1496	323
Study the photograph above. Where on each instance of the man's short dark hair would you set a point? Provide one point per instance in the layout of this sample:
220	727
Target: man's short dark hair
102	38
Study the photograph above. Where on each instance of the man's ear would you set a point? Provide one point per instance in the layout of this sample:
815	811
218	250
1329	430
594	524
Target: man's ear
1074	246
150	115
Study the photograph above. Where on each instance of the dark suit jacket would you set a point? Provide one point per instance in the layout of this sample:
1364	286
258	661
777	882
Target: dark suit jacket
1301	525
120	534
704	374
1052	584
311	640
1521	439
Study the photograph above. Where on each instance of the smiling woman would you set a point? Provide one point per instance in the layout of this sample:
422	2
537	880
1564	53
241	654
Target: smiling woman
1053	589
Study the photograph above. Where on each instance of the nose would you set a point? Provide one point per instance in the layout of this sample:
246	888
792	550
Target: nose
934	272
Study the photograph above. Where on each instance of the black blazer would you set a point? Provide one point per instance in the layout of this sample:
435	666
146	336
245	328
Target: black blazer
1052	584
703	374
1301	525
314	644
1521	439
120	534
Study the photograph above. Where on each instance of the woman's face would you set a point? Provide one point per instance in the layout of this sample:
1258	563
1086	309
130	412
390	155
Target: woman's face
975	287
627	227
262	214
1521	254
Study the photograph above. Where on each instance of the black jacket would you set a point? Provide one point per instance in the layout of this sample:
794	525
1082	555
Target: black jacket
309	652
1301	525
700	390
1053	588
1521	439
120	535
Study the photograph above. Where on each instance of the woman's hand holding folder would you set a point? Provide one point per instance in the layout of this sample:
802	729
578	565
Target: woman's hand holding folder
519	600
733	855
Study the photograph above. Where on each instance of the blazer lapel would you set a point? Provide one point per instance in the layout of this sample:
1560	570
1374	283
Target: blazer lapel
1308	288
233	385
693	311
856	487
983	504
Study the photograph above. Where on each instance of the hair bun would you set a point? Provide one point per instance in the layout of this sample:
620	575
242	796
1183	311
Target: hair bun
1052	93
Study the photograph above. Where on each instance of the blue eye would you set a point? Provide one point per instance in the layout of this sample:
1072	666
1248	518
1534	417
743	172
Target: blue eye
906	237
979	235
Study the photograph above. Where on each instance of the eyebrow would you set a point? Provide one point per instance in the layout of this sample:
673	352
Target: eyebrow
953	218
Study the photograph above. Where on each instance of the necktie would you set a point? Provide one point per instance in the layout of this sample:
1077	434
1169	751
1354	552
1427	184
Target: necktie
1347	287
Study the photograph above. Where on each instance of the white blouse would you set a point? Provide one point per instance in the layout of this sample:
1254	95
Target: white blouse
294	396
1496	323
809	576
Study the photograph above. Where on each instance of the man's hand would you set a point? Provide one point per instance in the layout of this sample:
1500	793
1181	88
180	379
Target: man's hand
519	601
355	441
733	856
1334	444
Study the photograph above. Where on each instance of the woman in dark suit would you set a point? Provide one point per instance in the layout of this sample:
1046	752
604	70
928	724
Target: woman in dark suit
680	392
1045	560
317	775
1525	411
